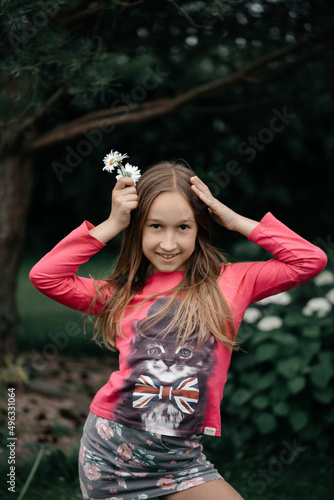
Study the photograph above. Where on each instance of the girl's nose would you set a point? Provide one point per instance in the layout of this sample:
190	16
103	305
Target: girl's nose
168	243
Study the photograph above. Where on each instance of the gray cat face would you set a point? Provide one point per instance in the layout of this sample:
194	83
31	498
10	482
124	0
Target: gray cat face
169	363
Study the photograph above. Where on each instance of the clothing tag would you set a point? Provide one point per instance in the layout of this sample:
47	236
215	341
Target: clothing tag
210	431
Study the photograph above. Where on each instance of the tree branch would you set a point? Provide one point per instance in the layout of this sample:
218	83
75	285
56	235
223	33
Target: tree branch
81	15
235	107
142	112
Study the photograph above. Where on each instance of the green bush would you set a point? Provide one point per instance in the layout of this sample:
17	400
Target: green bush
280	387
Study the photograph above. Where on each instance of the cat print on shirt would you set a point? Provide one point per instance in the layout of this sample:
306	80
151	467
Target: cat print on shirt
167	389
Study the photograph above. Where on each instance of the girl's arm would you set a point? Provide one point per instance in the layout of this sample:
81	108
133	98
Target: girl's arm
297	260
221	213
55	274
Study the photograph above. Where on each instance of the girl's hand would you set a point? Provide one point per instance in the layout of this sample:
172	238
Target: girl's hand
124	199
220	213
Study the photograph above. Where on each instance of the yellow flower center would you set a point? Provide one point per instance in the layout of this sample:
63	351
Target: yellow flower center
111	161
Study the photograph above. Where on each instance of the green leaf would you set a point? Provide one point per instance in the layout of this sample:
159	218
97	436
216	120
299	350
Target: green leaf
319	377
260	337
260	402
265	422
308	349
298	419
244	412
311	332
289	367
281	409
286	339
324	395
294	320
250	378
266	352
323	371
315	347
241	396
266	381
296	384
279	390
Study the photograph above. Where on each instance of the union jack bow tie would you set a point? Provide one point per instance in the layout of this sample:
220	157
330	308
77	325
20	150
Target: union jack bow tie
183	394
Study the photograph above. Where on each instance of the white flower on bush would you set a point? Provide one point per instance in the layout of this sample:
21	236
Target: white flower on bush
269	323
318	305
330	296
324	278
282	299
252	314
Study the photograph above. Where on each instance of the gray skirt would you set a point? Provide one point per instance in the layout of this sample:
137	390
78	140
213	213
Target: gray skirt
120	463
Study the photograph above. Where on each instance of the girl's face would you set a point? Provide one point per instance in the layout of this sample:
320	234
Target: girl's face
169	233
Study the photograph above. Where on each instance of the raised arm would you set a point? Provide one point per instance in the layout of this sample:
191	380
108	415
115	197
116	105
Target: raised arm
55	274
221	213
297	260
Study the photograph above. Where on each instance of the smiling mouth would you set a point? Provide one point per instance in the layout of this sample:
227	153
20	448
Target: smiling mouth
167	256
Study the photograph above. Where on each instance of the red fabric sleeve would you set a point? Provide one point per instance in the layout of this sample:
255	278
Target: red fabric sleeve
297	261
55	274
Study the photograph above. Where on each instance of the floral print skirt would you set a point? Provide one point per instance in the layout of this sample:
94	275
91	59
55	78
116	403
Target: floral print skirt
120	463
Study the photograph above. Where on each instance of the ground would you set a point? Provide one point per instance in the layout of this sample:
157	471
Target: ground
53	405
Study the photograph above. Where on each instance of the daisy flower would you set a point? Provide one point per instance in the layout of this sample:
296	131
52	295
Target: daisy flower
128	171
112	160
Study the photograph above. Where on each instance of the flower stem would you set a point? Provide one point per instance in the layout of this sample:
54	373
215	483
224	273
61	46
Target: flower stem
123	171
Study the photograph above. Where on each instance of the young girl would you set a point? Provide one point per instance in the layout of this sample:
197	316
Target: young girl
172	308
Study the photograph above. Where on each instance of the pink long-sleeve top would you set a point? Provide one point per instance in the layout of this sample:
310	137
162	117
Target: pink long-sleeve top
162	387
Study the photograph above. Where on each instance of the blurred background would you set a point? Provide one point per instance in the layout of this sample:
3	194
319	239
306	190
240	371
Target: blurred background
242	91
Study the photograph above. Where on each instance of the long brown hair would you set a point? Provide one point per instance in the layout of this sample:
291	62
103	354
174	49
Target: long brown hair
203	307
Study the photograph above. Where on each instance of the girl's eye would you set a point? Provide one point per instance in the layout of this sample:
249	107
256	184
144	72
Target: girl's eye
183	227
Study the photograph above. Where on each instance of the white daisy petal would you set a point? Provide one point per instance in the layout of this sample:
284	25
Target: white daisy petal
132	171
109	163
112	160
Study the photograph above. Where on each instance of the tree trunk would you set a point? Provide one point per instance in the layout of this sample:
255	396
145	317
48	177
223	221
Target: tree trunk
15	190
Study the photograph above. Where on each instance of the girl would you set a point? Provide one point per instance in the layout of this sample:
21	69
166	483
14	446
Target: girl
172	308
